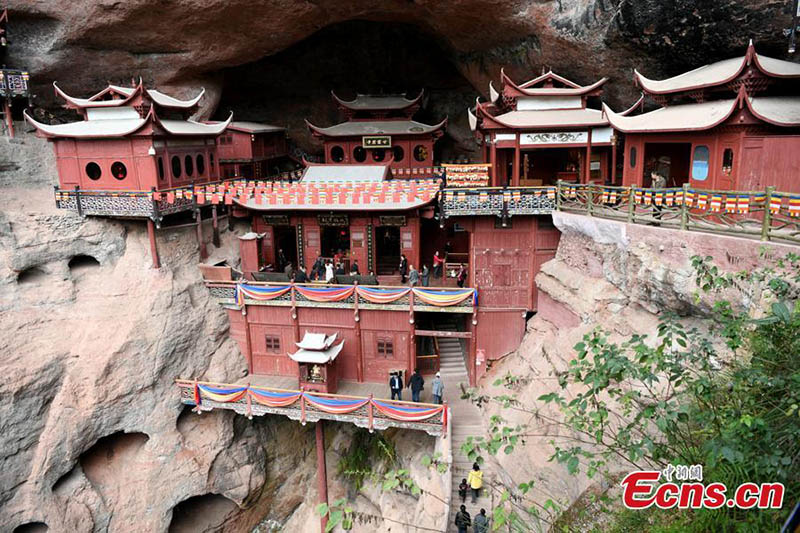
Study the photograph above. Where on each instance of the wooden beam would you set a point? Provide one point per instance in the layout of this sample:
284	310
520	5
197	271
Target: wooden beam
446	334
322	475
151	234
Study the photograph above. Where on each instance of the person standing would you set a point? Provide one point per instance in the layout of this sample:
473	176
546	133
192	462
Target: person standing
475	481
396	386
339	269
300	276
425	276
657	181
318	268
437	389
481	523
329	272
288	270
463	520
354	268
413	276
403	268
462	490
461	278
437	265
281	260
416	383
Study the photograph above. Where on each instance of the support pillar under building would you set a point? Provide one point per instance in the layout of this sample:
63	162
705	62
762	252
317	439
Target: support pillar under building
322	475
151	234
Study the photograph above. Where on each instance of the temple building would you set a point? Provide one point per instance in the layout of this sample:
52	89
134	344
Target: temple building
13	82
543	130
252	150
730	125
381	129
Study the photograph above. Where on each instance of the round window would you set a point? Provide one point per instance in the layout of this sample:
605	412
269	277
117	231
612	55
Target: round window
359	154
93	171
201	164
379	154
176	166
161	168
420	153
118	170
398	153
188	165
337	154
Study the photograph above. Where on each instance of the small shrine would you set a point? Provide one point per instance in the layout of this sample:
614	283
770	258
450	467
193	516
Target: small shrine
316	361
381	130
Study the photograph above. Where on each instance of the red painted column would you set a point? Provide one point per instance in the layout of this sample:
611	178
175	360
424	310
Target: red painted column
515	174
587	170
151	233
493	162
9	119
322	475
613	158
215	225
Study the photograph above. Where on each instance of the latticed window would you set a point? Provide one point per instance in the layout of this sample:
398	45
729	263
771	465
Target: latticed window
273	343
385	348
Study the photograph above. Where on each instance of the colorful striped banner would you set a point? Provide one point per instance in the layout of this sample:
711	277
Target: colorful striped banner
382	296
221	395
259	292
444	297
406	412
274	398
325	294
336	406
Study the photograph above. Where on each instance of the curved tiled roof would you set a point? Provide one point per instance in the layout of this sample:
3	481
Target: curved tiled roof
368	102
377	127
555	118
158	98
689	117
778	110
573	89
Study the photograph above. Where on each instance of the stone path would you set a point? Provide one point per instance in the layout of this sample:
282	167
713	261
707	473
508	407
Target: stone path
466	422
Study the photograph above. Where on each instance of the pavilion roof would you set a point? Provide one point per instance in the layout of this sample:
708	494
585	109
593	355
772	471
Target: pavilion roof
719	73
122	127
542	85
776	110
545	119
316	341
331	173
317	357
125	96
253	127
388	195
369	102
355	128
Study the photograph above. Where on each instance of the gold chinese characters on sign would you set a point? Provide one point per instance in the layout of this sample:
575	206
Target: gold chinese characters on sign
376	141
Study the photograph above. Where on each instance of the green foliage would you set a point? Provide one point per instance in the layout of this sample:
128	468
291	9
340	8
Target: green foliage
339	513
365	451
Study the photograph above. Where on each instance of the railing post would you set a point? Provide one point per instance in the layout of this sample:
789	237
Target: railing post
631	204
370	414
685	208
558	195
78	200
766	223
589	198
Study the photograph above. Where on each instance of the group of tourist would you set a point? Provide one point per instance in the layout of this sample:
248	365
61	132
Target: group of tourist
463	520
409	274
416	383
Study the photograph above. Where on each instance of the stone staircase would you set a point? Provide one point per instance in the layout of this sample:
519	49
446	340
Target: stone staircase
466	422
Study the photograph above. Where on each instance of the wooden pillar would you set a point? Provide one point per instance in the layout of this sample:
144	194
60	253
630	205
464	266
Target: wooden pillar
215	225
9	119
515	174
473	350
359	340
322	475
151	233
248	341
201	246
412	343
493	163
588	163
613	158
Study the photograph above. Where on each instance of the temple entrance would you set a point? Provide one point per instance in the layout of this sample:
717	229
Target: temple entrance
441	342
671	160
285	238
335	240
387	250
547	166
452	243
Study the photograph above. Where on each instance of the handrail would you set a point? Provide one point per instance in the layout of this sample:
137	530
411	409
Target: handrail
233	283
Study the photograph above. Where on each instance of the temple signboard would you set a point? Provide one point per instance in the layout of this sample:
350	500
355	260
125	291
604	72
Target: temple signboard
376	141
276	220
333	220
599	136
13	83
395	220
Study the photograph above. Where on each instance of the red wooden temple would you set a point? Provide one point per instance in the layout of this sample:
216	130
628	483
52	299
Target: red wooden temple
543	130
730	125
381	129
251	150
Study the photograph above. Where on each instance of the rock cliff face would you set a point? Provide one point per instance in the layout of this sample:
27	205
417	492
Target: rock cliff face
277	60
610	275
92	437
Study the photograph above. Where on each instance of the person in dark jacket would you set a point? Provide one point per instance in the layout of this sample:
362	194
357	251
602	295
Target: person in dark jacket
462	490
354	268
396	386
425	276
340	270
416	384
403	268
481	523
463	520
300	276
281	260
318	269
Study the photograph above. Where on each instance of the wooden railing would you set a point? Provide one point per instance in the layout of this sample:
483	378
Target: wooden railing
304	406
503	202
225	293
768	215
